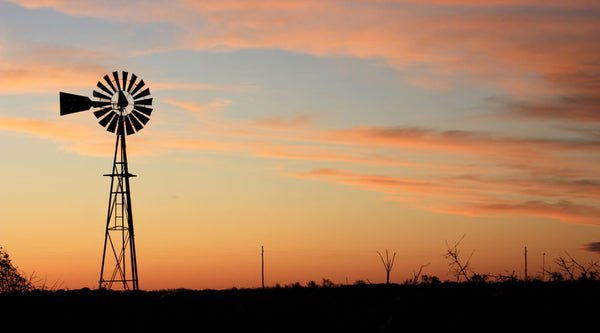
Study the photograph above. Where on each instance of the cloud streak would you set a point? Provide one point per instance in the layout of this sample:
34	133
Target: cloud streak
592	247
453	196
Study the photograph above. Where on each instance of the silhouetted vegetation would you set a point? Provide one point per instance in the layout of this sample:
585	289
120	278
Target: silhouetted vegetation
423	302
459	266
11	280
428	306
388	263
416	276
507	277
573	270
426	279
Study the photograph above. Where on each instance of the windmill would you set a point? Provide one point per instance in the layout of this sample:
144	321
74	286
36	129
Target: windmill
123	107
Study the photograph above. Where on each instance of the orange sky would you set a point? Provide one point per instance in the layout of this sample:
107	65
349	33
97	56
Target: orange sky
323	130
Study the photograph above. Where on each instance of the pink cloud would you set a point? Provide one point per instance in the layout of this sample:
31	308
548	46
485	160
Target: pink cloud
47	68
479	198
215	105
592	247
72	137
565	211
49	129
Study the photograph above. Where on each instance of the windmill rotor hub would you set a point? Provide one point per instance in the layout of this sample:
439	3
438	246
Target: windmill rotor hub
123	102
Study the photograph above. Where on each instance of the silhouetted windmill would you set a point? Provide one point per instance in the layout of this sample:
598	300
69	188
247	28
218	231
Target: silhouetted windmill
123	108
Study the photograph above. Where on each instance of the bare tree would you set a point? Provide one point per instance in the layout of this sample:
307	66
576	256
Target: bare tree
566	267
387	263
416	275
456	264
574	270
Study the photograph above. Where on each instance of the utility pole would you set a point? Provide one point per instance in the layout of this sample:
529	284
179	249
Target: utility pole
525	263
262	265
543	266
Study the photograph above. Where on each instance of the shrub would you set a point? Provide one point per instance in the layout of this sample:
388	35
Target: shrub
430	279
311	284
327	283
10	278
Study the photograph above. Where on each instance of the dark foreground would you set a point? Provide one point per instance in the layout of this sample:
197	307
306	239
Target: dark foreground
495	307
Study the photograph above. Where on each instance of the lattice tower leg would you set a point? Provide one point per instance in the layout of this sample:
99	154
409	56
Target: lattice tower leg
119	263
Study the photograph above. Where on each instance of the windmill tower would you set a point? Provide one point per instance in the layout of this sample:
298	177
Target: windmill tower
123	108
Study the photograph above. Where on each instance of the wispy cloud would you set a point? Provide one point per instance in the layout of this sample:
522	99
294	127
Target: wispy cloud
583	108
465	197
592	247
214	105
44	128
72	137
565	211
47	68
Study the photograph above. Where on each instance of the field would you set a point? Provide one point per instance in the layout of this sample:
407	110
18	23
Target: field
355	308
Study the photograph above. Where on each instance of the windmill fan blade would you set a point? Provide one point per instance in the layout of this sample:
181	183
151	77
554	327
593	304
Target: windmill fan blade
107	79
100	113
136	123
142	109
100	95
98	104
128	126
113	123
103	87
116	76
140	116
133	78
138	87
125	74
70	103
144	102
142	94
104	121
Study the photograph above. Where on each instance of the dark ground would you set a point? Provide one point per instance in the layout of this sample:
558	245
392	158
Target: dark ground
496	307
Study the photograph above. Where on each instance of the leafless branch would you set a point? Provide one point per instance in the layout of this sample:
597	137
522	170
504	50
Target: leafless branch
572	267
387	264
417	275
459	267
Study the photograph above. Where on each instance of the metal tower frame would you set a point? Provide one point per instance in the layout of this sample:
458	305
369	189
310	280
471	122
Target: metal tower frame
119	243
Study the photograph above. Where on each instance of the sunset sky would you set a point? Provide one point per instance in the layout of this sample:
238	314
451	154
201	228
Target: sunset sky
323	130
